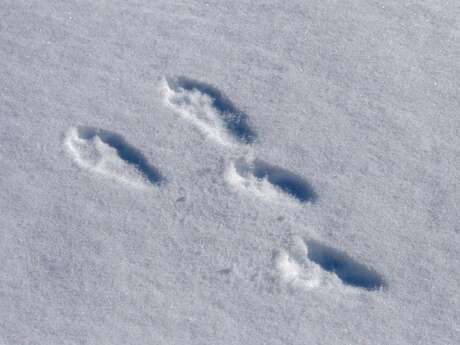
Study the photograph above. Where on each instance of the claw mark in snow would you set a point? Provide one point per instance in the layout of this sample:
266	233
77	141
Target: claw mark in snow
268	181
109	154
208	109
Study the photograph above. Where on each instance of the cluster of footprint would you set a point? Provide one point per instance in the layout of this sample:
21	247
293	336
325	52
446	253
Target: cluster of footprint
306	264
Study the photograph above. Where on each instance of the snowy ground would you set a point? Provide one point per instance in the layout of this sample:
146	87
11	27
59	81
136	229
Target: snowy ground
229	172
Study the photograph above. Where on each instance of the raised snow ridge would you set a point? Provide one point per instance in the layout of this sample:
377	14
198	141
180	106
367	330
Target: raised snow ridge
295	270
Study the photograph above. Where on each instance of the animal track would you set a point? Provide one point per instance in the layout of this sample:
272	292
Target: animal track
208	109
346	268
306	266
268	180
107	153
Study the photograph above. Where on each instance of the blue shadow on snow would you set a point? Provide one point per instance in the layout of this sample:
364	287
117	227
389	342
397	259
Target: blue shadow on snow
287	181
347	269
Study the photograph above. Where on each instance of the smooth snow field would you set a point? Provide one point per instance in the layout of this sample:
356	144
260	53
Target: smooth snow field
229	172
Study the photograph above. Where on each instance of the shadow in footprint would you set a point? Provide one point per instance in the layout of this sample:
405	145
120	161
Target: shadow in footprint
127	152
285	180
236	121
347	269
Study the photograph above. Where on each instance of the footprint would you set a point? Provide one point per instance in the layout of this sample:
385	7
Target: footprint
108	154
208	109
268	181
344	267
310	264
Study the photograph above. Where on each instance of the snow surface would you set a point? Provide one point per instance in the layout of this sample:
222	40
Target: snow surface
229	172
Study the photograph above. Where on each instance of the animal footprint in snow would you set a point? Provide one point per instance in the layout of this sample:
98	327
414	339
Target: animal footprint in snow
208	109
347	269
311	264
108	154
268	181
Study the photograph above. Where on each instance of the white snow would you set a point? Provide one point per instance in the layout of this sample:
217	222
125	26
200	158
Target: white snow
229	172
300	273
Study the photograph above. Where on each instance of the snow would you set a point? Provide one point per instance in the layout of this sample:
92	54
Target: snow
229	172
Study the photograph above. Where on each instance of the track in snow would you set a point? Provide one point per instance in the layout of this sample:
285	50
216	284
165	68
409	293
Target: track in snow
308	263
270	181
108	154
208	109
